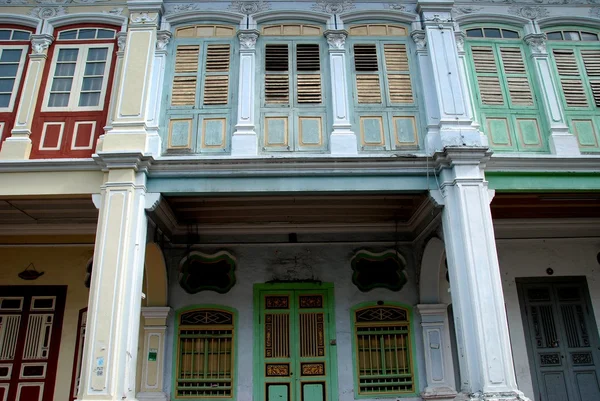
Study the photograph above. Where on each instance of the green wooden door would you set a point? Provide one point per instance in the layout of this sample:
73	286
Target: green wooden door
294	345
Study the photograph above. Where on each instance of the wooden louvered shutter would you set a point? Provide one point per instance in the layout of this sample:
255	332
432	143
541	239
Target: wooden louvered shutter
397	73
591	61
308	69
486	71
186	75
216	80
570	78
368	89
277	82
515	73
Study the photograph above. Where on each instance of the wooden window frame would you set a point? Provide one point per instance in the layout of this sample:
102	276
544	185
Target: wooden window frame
410	353
18	76
232	355
78	77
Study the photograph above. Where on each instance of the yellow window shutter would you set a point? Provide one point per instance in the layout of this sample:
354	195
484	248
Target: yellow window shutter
277	82
519	89
591	60
368	89
486	71
570	78
397	73
308	68
216	81
185	79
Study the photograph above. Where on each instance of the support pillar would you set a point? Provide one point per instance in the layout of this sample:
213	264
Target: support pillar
562	142
244	141
18	145
112	327
438	352
134	116
342	140
486	365
449	97
153	365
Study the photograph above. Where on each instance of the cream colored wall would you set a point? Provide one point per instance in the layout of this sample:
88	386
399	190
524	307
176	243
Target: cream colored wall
62	265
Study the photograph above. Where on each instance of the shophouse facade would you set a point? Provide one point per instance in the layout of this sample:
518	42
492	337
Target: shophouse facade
311	200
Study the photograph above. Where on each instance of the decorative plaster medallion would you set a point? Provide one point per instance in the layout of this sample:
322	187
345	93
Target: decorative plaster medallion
333	6
529	12
336	39
595	12
249	7
180	8
466	10
143	17
396	6
47	12
248	40
162	39
536	42
114	11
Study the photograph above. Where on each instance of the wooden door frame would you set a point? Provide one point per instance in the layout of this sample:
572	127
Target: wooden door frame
60	292
332	381
521	282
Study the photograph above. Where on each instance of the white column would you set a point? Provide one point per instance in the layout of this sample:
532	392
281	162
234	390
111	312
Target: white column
438	352
244	141
153	364
18	145
449	92
486	365
156	88
342	140
561	141
459	36
112	327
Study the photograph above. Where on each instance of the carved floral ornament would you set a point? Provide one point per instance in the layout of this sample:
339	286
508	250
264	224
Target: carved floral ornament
333	6
162	39
529	12
336	39
47	12
420	39
248	39
40	44
143	17
249	7
536	42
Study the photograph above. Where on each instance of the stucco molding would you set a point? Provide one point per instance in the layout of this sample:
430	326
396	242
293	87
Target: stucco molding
569	20
478	18
81	18
193	16
156	312
162	40
420	39
333	6
385	15
536	43
40	44
277	16
248	39
248	7
529	12
336	39
18	19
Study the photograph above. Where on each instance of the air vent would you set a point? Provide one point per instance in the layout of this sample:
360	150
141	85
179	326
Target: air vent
512	59
400	88
368	89
217	58
184	91
365	57
396	58
216	89
277	88
490	91
309	88
186	59
276	57
566	64
307	57
484	60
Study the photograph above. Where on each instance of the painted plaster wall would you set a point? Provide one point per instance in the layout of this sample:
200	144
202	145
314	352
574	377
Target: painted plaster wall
531	258
259	264
62	265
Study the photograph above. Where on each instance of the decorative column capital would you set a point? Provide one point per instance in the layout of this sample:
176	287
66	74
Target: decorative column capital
420	39
460	36
336	39
40	45
537	43
121	42
248	38
162	40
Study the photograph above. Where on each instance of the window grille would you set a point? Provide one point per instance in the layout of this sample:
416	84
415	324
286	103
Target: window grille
205	349
383	351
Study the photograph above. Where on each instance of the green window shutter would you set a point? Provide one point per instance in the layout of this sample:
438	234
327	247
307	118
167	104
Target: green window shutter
216	80
308	70
570	77
368	88
185	78
515	73
398	77
591	61
486	72
277	74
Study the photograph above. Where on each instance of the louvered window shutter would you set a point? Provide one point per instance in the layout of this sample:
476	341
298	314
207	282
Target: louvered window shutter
186	75
515	74
368	89
277	82
398	78
216	80
488	79
591	61
308	69
570	77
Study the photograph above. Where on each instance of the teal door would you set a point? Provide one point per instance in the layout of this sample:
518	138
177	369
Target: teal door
563	340
294	345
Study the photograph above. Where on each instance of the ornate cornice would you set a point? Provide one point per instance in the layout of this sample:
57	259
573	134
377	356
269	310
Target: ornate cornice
420	39
40	44
248	39
336	39
162	40
537	43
